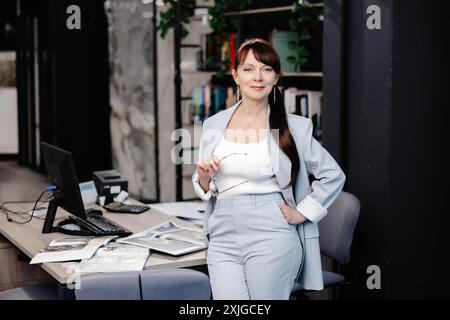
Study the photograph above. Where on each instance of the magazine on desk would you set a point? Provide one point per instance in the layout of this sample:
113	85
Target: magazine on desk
169	238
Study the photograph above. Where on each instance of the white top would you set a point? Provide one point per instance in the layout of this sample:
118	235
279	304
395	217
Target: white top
249	162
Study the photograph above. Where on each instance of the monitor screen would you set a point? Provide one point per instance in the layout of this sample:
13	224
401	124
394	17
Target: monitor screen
61	172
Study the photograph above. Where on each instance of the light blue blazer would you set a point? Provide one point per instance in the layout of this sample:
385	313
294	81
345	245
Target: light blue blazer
312	200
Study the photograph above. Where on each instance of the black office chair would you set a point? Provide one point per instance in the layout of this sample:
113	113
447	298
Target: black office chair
336	235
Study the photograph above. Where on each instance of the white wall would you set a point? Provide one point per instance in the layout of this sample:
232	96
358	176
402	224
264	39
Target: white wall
9	139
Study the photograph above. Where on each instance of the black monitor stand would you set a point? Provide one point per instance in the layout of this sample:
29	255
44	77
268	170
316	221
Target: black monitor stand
50	217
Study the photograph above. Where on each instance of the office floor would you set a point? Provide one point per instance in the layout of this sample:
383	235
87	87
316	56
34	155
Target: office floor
19	183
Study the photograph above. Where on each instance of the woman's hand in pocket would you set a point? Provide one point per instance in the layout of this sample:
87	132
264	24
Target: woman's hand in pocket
291	215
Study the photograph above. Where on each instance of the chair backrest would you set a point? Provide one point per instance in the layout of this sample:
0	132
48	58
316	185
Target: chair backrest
175	284
40	291
109	286
163	284
336	229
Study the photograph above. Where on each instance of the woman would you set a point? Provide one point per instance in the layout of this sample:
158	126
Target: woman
262	212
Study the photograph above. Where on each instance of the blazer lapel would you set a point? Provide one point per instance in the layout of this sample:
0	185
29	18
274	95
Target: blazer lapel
221	125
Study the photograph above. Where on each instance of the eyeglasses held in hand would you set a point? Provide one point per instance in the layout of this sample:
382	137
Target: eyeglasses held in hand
231	154
216	193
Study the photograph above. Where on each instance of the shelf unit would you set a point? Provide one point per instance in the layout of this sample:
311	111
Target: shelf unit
311	80
285	74
270	10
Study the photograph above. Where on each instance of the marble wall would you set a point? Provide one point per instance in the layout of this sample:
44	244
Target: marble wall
132	94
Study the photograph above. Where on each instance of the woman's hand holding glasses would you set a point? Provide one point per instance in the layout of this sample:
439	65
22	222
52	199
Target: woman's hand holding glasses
207	168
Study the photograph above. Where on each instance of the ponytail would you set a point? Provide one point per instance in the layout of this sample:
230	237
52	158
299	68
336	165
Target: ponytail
278	120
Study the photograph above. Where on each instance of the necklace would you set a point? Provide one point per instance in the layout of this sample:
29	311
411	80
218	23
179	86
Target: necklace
251	122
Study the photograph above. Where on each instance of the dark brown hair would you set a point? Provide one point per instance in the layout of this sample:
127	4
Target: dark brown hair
265	53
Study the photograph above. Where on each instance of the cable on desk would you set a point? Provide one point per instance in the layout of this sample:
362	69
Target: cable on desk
21	213
7	211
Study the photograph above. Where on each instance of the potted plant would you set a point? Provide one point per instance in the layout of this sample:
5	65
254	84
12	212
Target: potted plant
167	19
305	15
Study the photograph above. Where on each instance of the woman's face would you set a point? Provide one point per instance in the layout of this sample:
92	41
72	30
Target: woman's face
256	79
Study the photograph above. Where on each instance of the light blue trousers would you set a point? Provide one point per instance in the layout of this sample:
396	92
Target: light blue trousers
253	252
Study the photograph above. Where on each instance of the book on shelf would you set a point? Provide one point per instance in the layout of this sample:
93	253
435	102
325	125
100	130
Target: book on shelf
233	49
301	105
208	59
168	237
215	51
306	103
209	99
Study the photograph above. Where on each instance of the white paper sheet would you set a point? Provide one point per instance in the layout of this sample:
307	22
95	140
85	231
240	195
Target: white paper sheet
183	209
116	257
71	248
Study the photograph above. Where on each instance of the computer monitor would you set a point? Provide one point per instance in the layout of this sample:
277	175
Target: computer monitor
67	195
62	174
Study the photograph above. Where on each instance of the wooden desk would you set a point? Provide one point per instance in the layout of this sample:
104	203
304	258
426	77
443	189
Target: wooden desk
29	239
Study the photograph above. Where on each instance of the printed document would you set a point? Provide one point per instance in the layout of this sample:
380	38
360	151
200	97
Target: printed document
71	248
169	238
116	257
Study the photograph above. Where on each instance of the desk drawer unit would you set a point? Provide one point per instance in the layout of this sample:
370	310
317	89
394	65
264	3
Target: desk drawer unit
15	270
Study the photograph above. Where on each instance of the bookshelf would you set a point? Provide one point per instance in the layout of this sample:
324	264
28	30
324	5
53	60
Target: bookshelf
250	26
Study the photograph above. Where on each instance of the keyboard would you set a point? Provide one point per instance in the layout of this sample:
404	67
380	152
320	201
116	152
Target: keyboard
101	226
125	208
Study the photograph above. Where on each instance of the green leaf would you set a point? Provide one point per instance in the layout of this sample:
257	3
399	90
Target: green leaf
291	59
305	36
301	50
292	45
304	19
293	24
220	74
184	32
303	61
163	15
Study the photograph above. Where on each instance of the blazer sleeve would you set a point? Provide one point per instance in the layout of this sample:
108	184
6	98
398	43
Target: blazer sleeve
205	196
330	178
